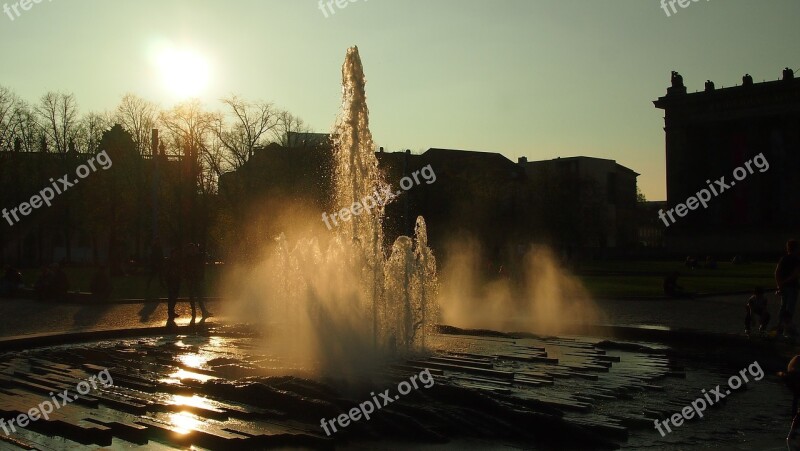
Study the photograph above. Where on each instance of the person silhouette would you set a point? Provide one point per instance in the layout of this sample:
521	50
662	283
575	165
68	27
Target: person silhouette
792	380
786	278
756	306
194	270
172	279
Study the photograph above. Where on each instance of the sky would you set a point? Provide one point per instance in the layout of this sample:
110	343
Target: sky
535	78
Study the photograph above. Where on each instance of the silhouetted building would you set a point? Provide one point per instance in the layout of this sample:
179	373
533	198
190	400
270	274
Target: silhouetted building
483	195
108	217
650	229
599	183
710	134
278	175
480	194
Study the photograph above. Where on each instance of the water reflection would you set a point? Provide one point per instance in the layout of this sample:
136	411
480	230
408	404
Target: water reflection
184	422
193	360
175	378
192	401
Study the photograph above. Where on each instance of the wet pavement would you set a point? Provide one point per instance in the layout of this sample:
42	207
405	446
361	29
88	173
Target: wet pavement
27	317
723	314
720	314
224	387
227	388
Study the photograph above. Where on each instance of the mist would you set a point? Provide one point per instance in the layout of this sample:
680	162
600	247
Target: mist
545	298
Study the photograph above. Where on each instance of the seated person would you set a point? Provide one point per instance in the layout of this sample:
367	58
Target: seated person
756	306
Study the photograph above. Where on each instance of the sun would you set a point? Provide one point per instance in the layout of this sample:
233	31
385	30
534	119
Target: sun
184	72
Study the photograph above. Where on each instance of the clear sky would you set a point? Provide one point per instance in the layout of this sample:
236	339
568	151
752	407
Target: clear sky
539	78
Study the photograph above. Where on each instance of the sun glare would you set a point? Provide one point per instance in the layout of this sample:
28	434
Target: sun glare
184	422
185	73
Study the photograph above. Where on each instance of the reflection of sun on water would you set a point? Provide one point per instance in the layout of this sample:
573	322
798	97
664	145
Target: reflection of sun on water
192	401
175	378
193	360
184	422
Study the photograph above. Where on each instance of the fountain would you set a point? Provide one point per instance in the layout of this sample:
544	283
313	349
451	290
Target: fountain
401	288
347	302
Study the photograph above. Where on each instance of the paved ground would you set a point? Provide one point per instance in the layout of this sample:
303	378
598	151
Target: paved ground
223	388
24	317
755	419
723	314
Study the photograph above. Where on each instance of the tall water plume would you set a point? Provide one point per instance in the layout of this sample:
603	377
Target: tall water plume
401	288
341	306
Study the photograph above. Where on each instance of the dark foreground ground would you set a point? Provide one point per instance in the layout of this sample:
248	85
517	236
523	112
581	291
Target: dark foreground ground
223	388
226	387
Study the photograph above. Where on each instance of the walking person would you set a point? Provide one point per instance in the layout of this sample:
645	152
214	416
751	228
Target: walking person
194	269
786	275
172	279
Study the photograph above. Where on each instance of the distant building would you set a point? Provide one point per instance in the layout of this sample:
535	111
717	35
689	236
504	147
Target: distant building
650	229
576	203
477	193
108	218
276	174
711	133
605	182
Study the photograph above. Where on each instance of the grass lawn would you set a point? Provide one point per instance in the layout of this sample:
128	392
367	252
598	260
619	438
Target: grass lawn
645	278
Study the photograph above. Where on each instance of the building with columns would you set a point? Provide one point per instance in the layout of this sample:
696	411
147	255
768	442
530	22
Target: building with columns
711	133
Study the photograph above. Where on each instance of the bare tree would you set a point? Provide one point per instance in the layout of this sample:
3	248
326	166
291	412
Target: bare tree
90	131
138	117
188	126
251	124
214	159
287	123
59	114
26	127
190	129
8	106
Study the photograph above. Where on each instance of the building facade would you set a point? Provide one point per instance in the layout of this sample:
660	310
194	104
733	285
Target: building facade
596	182
480	195
709	134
